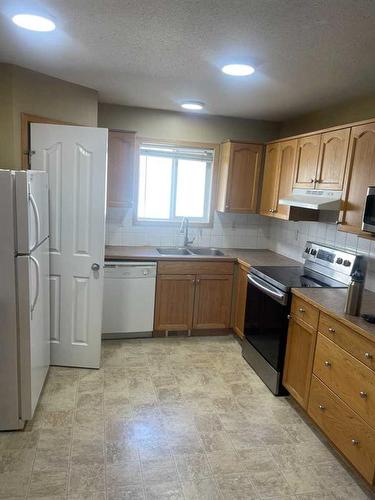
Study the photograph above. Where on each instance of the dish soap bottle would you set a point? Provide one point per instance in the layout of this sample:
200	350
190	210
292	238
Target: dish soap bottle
354	294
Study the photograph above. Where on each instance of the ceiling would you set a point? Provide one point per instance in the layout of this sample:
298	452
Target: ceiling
155	53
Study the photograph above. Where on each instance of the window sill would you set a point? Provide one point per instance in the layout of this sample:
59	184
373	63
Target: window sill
160	223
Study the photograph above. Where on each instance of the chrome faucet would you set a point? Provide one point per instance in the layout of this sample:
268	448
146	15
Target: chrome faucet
185	228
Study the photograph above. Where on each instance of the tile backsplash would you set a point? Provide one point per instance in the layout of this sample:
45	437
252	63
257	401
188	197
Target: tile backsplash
228	231
241	231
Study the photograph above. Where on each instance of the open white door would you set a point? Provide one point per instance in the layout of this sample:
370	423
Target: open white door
76	161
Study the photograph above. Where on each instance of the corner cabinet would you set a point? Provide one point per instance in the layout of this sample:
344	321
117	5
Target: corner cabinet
240	169
360	174
239	300
193	295
120	175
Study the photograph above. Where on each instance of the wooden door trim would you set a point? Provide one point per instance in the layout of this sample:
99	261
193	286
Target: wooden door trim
26	120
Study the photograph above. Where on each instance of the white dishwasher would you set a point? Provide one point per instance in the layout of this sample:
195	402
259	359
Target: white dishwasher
129	299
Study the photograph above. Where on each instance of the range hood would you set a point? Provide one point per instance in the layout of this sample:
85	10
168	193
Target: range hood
314	199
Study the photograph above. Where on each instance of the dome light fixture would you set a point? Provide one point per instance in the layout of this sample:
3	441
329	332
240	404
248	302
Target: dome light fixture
192	105
238	69
34	23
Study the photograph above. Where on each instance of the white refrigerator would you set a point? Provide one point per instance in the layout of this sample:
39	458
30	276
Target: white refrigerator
24	294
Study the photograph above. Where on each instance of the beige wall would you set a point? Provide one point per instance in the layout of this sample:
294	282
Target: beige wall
159	124
350	111
38	94
6	117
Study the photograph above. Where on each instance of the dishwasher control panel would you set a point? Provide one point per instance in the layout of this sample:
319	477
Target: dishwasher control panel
129	269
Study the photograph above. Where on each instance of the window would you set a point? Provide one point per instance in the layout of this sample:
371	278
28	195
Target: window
174	182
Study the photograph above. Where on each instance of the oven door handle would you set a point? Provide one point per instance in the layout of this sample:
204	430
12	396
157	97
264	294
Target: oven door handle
268	289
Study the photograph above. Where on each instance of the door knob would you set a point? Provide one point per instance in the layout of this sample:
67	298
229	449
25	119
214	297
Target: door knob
95	267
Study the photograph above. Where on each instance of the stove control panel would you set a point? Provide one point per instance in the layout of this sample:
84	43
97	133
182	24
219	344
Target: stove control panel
332	258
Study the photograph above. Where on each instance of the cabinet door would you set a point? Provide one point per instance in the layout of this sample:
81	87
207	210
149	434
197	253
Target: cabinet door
120	178
299	361
213	298
307	161
271	177
360	174
287	157
332	159
243	178
240	304
174	302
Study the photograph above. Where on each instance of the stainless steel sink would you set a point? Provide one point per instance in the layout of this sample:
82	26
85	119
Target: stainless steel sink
206	251
173	251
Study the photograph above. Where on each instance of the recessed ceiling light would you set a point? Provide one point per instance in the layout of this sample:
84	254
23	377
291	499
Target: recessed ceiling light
33	23
192	105
238	69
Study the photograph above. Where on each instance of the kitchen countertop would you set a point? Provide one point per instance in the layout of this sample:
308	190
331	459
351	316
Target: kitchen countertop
245	257
332	302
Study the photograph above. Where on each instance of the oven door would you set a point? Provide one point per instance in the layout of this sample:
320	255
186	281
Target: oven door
266	320
369	211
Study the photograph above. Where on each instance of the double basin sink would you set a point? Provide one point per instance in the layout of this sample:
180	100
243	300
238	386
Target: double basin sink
210	252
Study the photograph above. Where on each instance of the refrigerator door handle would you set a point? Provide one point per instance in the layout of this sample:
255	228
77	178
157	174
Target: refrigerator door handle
37	221
37	284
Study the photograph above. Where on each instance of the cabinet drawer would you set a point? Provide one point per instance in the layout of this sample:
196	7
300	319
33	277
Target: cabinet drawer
350	434
305	311
189	267
357	346
351	380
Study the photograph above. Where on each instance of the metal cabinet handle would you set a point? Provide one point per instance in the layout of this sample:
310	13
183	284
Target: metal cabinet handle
95	267
328	364
198	281
322	408
193	281
363	394
332	330
355	442
368	355
312	180
301	310
289	316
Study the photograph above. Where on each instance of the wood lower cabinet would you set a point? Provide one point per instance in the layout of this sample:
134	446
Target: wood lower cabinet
299	360
349	433
306	161
240	300
325	372
212	305
201	299
120	178
346	376
240	169
174	302
360	174
332	159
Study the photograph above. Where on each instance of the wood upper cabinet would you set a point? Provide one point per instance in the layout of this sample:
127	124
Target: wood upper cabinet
278	178
332	159
299	360
306	161
212	305
287	158
271	180
240	300
120	177
240	167
360	174
174	302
